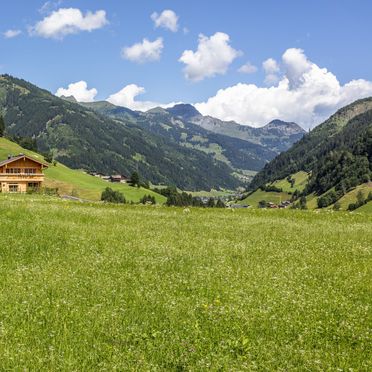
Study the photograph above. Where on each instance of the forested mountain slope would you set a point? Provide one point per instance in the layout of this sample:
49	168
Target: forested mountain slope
238	153
337	153
84	139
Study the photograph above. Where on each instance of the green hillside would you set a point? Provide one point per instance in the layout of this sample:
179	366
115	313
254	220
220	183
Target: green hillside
345	135
337	155
75	182
300	180
99	287
83	139
351	196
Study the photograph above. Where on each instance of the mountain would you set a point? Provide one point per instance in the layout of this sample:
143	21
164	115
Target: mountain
277	136
337	154
180	124
83	139
184	111
239	154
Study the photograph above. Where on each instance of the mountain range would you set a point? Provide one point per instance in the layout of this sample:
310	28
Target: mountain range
174	146
243	148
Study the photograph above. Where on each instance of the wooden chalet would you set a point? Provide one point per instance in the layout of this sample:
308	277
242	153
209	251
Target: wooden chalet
21	173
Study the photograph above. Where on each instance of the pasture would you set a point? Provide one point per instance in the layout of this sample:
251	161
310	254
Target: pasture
102	287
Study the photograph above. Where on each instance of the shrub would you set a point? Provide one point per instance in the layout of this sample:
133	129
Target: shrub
148	199
111	196
337	206
262	204
271	188
135	179
220	204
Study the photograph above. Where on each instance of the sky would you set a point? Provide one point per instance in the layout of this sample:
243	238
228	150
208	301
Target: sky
248	61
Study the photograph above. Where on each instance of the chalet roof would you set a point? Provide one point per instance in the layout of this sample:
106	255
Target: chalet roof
21	156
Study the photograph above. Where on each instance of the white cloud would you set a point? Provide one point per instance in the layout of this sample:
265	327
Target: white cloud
144	52
167	19
48	6
306	94
213	56
296	65
126	98
248	68
79	90
271	69
66	21
9	34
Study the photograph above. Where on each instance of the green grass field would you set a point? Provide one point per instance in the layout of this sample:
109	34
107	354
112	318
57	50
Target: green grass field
75	182
93	287
300	178
258	195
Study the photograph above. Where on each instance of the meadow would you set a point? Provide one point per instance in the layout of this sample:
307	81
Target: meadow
88	286
76	182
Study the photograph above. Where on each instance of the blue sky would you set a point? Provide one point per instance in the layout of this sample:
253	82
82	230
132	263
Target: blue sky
335	35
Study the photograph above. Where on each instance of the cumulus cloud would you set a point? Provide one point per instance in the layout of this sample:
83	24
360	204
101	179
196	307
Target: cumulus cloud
248	68
9	34
144	52
213	56
126	98
305	93
79	90
271	68
66	21
167	19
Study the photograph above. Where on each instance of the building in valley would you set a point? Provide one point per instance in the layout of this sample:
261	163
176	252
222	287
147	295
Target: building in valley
21	173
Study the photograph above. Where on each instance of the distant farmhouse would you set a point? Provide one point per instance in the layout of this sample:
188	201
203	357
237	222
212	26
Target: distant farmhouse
21	173
116	178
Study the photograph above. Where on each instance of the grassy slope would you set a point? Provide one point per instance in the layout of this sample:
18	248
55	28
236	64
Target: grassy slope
70	181
300	182
274	197
102	287
366	208
351	196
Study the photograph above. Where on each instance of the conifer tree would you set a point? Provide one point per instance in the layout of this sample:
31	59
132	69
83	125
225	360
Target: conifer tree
2	126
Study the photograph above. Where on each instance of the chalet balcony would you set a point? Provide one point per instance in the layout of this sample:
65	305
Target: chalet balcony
19	177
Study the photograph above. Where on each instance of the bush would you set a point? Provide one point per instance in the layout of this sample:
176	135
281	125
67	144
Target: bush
48	157
52	191
337	206
262	204
329	198
111	196
360	201
302	202
148	199
220	204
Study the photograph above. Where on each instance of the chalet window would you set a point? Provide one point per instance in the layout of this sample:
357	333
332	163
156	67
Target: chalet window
30	170
13	188
13	170
33	185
